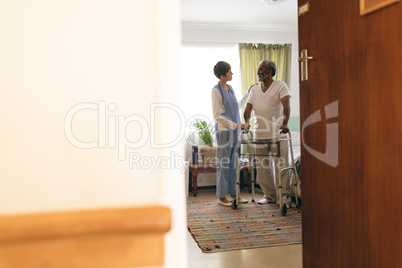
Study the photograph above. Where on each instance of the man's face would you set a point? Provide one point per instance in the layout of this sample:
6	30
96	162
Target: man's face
262	72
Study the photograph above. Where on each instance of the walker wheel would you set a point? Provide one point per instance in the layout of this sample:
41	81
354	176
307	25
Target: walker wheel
284	209
234	203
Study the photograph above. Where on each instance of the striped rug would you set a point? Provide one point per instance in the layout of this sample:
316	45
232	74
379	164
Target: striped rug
217	228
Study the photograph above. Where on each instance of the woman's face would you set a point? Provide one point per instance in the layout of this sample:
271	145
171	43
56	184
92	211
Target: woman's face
229	75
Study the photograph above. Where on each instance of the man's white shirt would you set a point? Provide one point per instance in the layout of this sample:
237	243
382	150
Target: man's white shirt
268	109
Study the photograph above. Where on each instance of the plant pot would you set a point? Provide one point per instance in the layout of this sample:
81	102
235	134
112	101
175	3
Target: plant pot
208	154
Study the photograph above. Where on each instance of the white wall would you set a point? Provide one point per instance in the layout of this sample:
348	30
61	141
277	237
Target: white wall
224	34
193	33
56	56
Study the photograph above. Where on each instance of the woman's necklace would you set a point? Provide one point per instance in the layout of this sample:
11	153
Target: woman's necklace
224	87
232	100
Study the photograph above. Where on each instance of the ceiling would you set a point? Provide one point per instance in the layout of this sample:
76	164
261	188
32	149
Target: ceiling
240	14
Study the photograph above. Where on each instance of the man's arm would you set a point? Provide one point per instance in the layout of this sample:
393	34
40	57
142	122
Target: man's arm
286	113
247	113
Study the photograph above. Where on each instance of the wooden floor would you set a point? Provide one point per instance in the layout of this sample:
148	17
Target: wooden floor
275	257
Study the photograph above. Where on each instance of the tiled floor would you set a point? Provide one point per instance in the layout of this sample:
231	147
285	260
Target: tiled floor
275	257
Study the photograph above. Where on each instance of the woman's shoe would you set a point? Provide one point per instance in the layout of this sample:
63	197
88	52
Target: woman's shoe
242	200
227	204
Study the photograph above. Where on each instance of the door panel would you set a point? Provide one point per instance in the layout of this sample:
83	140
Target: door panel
351	215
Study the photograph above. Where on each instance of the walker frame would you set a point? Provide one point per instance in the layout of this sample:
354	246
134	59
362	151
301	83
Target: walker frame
251	155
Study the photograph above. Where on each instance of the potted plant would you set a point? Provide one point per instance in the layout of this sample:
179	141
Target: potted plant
206	133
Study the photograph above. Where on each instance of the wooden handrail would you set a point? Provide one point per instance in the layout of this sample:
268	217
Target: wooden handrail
155	219
115	237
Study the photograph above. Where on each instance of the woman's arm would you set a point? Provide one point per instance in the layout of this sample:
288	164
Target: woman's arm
217	109
244	99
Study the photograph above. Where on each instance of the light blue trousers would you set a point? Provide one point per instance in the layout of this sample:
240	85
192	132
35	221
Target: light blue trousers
227	157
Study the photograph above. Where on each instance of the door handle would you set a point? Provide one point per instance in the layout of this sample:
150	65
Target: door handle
304	62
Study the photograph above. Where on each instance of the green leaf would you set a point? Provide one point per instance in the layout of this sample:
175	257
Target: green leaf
205	131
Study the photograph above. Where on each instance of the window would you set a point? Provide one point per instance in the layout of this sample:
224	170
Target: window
197	78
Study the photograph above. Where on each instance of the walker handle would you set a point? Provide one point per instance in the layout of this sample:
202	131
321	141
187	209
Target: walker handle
279	134
246	131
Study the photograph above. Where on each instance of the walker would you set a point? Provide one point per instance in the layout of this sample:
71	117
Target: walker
283	208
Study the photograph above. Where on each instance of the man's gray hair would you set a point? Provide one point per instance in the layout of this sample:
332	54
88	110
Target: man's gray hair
270	65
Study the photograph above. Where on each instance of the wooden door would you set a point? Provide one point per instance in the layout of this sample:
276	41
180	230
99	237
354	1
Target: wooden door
351	209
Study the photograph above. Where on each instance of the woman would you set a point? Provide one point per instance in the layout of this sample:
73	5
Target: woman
225	109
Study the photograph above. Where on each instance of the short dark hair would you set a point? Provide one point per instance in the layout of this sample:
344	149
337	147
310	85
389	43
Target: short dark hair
270	65
221	68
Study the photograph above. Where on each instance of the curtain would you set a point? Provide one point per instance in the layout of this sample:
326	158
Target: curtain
252	54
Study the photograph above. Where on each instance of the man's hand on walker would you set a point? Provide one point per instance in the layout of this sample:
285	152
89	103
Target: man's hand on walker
284	129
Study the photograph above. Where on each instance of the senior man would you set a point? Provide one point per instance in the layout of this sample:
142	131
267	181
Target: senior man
270	101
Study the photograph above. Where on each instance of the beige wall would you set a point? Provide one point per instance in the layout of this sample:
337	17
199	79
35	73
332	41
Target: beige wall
68	70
